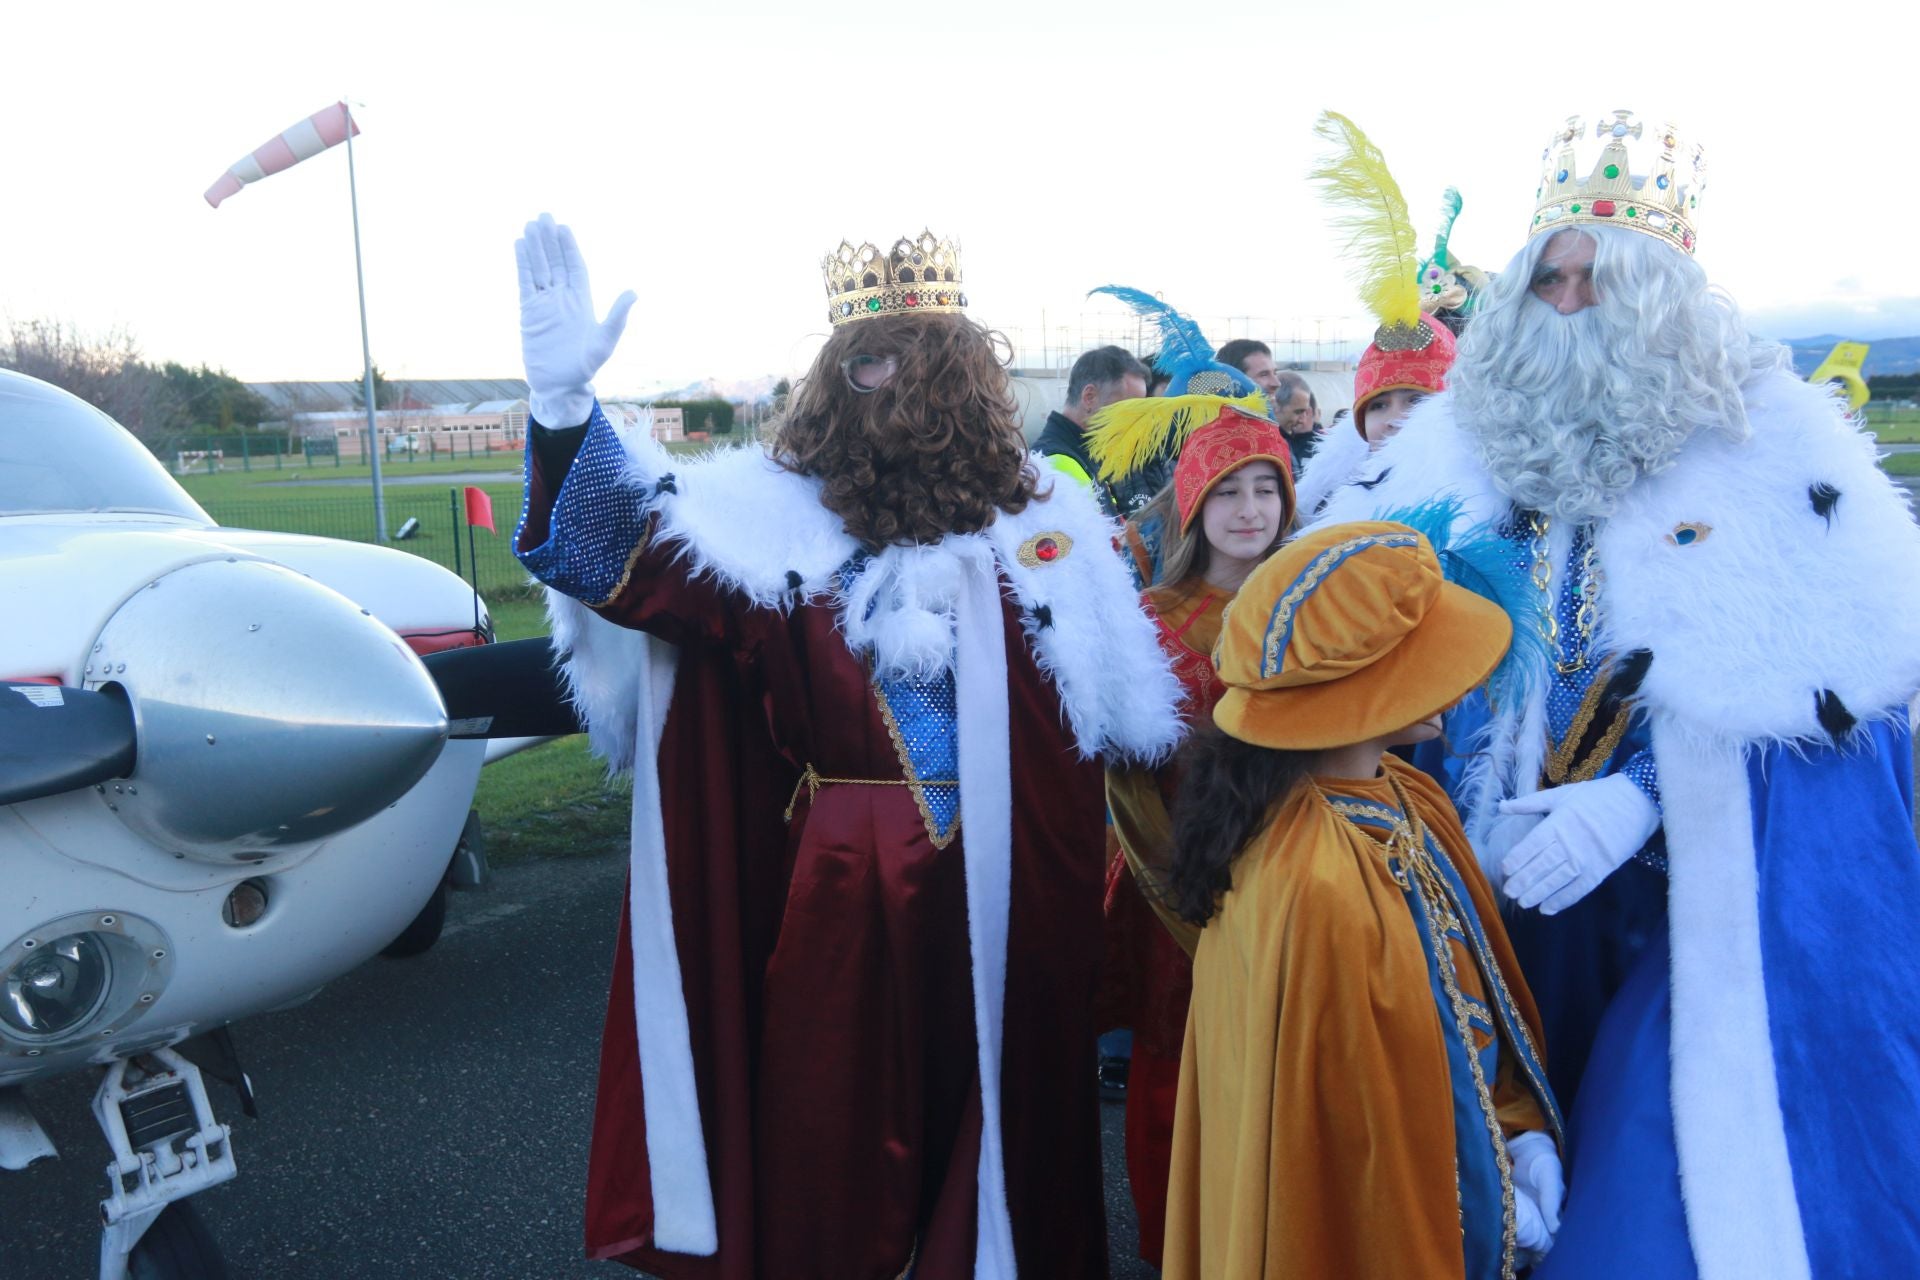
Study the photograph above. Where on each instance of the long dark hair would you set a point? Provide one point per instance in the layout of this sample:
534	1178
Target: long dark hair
936	450
1228	791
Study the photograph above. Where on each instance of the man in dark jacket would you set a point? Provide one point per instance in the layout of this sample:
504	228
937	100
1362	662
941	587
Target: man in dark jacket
1097	379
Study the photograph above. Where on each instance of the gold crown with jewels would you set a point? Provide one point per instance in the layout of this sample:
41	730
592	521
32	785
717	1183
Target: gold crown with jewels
1658	200
920	273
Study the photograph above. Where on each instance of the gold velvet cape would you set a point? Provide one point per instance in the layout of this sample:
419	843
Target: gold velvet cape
1315	1132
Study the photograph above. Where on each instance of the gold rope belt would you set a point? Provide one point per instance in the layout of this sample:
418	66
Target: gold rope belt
811	781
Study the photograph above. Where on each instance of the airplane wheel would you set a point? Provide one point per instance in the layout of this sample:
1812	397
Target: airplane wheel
177	1246
419	936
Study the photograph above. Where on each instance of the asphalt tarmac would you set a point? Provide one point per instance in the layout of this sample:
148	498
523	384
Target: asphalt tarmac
419	1118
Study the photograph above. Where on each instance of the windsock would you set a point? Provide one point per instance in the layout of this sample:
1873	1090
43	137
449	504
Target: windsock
327	127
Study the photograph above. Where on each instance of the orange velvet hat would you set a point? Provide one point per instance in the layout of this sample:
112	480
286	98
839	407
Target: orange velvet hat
1348	633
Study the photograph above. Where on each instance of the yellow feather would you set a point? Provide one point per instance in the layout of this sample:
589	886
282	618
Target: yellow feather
1384	259
1128	435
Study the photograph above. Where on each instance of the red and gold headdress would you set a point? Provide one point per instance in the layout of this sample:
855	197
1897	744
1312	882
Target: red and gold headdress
1410	348
1214	435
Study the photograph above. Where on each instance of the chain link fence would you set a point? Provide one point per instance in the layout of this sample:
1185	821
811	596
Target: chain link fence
426	520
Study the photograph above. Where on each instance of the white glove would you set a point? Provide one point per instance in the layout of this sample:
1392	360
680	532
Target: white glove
1530	1234
561	342
1537	1172
1589	829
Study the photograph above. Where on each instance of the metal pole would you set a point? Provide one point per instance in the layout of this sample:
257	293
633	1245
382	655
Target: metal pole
473	567
366	351
453	506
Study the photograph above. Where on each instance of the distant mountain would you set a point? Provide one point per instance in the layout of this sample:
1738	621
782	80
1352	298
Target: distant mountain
734	391
1884	355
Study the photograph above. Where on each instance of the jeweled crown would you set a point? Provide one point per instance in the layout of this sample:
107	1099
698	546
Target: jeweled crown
919	273
1658	198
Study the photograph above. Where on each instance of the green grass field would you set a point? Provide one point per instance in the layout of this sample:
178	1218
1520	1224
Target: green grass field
337	502
1897	426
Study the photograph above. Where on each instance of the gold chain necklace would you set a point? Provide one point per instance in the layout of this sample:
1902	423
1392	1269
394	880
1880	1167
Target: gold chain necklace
1588	614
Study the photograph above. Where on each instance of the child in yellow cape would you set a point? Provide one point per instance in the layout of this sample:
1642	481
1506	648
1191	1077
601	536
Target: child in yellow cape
1362	1090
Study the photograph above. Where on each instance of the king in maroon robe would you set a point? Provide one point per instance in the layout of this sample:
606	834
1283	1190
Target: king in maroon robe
815	872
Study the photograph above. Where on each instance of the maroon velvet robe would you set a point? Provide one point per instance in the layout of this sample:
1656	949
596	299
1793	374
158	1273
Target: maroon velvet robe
826	968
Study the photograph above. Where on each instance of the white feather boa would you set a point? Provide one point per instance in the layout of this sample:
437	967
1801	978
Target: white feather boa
1770	606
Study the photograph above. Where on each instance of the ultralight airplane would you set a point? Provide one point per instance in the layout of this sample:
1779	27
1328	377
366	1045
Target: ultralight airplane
226	778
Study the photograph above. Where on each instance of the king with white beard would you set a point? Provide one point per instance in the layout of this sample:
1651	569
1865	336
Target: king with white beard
1701	803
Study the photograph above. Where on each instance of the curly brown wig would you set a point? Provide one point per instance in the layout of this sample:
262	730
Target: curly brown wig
935	450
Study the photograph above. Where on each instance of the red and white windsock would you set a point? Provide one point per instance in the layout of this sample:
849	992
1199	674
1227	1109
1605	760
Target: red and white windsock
327	127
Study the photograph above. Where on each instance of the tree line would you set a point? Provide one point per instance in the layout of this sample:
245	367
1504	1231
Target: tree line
154	401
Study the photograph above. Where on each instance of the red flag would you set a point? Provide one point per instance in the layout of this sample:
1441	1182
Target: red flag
480	509
327	127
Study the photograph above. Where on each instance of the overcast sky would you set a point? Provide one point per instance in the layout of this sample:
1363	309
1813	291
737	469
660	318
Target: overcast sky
708	155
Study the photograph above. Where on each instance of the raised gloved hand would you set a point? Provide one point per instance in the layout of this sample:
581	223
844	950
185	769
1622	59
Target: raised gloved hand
561	341
1537	1172
1589	828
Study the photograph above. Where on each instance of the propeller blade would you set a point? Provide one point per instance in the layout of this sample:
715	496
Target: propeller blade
54	739
510	690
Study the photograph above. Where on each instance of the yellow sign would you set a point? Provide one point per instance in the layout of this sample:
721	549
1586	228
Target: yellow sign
1843	365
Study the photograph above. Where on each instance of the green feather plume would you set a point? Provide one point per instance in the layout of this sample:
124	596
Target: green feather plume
1450	206
1384	257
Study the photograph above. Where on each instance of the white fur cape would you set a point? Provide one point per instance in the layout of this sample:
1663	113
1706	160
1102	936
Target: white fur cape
916	611
1338	458
1802	591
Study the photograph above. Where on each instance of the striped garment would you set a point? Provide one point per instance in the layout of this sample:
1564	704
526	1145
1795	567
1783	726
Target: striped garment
327	127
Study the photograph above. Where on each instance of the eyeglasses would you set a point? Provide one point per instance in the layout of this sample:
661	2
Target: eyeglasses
868	373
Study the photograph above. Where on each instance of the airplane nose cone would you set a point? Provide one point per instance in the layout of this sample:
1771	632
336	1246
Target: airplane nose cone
269	711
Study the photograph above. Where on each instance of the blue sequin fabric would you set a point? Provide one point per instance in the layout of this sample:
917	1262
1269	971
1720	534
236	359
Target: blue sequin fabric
598	520
926	715
1634	755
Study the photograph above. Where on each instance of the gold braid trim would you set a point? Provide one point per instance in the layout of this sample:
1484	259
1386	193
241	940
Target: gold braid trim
811	780
1438	906
633	558
1561	766
1443	915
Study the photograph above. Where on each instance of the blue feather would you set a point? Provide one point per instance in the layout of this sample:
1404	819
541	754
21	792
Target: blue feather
1478	558
1181	342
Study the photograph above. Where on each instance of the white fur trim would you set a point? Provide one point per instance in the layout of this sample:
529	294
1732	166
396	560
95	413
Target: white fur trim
1432	457
1100	649
1735	1174
604	666
683	1211
1748	624
755	527
743	519
622	680
986	788
1341	454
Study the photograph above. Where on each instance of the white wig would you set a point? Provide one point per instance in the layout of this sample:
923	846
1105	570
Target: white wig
1568	411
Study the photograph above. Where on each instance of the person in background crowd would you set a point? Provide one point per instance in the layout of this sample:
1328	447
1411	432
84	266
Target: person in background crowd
1362	1091
1295	409
1229	505
1255	359
849	1034
1097	379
